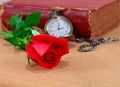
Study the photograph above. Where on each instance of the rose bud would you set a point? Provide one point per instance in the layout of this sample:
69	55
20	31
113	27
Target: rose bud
47	50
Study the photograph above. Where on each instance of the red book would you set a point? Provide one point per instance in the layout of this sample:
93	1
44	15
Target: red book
90	18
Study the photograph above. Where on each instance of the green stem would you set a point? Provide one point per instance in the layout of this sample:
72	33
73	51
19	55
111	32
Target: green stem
28	59
8	34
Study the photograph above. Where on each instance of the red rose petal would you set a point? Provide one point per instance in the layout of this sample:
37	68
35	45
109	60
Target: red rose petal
41	47
63	46
31	53
42	44
43	38
60	43
52	56
38	59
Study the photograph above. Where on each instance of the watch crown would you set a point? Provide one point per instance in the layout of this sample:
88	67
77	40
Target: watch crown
55	12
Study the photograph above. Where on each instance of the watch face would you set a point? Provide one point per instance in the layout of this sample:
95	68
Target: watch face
59	27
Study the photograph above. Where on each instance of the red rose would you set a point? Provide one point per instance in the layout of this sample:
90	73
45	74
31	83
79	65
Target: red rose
47	50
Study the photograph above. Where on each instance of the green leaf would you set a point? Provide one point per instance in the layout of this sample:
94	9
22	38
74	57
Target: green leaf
10	40
16	22
33	19
22	29
7	33
17	42
21	26
35	32
13	19
28	59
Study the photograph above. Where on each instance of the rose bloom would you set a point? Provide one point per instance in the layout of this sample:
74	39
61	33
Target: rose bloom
47	50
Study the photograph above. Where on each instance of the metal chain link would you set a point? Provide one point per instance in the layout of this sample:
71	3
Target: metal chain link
93	43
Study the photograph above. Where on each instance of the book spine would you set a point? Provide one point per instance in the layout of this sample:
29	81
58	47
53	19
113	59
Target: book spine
80	21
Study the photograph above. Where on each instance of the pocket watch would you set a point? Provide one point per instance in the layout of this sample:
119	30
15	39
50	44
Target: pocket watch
58	25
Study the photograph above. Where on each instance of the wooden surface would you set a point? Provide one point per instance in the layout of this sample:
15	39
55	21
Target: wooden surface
99	68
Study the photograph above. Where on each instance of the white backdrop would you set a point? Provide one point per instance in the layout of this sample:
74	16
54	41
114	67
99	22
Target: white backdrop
3	1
